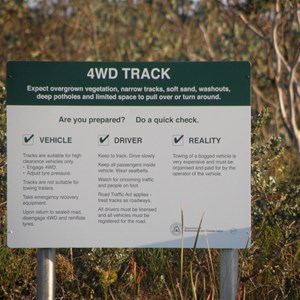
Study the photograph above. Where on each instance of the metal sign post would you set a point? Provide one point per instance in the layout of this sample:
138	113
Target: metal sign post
229	261
46	274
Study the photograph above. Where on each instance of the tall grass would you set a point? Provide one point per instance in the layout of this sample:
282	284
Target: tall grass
269	269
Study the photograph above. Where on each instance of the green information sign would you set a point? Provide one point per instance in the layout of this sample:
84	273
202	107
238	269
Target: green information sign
156	84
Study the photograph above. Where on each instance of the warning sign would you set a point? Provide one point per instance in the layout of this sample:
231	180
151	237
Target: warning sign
110	154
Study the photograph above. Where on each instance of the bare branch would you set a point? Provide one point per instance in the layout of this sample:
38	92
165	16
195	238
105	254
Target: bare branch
246	22
292	95
239	15
298	15
275	40
254	29
207	41
260	94
279	88
94	36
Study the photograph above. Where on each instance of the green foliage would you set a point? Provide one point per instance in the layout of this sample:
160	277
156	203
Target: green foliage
271	266
17	272
156	31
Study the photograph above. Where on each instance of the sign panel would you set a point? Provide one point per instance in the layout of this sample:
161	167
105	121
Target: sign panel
110	154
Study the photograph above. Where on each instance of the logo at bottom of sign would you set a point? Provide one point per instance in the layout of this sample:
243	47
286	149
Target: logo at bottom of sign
176	229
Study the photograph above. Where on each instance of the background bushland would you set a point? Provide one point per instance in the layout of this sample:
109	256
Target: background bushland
266	33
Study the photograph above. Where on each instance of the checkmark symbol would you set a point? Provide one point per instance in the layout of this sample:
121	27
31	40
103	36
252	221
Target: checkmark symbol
103	139
28	139
177	139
